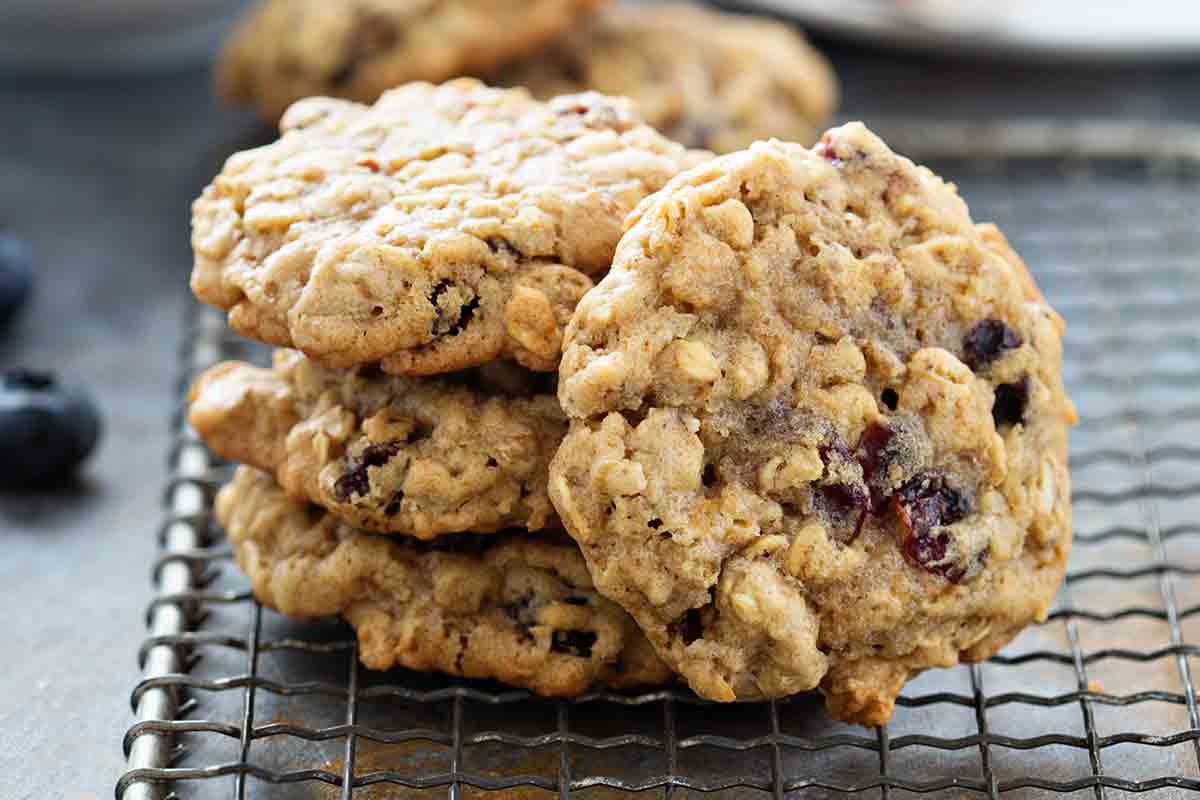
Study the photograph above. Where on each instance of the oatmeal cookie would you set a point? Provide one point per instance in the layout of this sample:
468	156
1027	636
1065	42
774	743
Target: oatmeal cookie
704	78
818	427
439	229
519	609
285	50
417	456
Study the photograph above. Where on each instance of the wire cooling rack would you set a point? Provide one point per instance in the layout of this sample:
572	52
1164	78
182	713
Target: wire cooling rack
1099	701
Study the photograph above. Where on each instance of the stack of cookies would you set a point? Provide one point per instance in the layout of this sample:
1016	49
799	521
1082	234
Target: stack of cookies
562	403
417	262
707	79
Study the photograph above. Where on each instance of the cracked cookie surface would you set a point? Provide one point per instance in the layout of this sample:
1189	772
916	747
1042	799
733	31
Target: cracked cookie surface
439	229
818	427
520	609
285	50
704	78
416	456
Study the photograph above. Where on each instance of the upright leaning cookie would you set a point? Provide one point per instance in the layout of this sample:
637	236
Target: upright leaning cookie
418	456
704	78
519	609
285	50
439	229
818	427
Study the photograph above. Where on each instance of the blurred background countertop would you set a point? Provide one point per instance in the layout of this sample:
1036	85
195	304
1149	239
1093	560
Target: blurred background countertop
98	174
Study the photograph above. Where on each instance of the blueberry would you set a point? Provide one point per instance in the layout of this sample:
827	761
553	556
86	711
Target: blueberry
984	343
45	430
573	643
689	627
16	277
1011	402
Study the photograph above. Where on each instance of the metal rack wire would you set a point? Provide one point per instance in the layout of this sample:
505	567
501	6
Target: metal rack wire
1100	700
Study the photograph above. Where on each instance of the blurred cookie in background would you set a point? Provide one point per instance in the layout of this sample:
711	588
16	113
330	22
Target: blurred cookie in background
704	78
284	50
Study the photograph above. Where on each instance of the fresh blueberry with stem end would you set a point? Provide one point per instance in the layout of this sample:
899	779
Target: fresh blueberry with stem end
46	430
16	276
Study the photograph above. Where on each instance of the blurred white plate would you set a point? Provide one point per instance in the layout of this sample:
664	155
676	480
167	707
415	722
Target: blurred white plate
1109	30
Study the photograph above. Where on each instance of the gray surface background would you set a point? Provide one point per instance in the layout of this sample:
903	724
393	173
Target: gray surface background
97	173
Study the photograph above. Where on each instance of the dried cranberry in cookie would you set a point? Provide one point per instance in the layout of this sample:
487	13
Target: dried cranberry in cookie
818	430
439	229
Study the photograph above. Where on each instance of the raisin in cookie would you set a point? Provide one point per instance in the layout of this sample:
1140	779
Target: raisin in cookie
818	427
707	79
441	228
419	456
285	50
520	609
